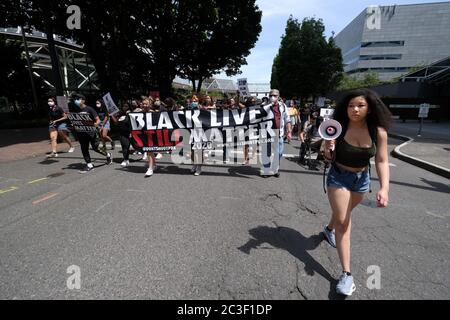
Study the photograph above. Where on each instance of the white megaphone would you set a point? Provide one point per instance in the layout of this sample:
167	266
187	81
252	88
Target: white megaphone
330	129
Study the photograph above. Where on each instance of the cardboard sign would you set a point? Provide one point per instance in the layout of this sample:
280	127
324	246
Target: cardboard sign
110	105
61	101
320	102
326	113
424	110
243	87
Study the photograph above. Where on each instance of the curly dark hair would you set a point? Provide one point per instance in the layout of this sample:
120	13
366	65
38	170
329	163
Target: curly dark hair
379	115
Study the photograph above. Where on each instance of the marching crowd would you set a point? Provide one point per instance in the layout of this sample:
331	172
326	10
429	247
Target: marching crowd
293	120
363	116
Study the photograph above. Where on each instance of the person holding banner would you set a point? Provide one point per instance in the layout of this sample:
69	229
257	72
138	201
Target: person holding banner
147	106
104	125
57	125
365	121
122	120
87	133
283	124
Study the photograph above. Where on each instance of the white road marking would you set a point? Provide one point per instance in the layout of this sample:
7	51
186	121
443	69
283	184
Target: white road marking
435	215
102	206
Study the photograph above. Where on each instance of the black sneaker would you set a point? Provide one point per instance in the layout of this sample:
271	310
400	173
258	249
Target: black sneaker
87	169
109	159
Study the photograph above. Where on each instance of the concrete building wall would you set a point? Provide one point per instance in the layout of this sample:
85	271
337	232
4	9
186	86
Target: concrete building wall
409	36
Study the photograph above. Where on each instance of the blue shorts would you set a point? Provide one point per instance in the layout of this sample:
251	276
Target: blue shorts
59	127
106	126
352	181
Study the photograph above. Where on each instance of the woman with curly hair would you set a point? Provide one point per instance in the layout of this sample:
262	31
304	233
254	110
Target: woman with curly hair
365	121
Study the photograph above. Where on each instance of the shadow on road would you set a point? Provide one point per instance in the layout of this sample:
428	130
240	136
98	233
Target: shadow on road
14	136
297	245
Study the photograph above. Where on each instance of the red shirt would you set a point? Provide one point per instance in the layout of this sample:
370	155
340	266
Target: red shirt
276	111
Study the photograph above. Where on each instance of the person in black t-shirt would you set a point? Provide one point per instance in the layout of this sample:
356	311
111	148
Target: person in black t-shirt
87	138
123	122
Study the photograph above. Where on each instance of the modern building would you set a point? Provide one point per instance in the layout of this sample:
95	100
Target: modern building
393	40
430	85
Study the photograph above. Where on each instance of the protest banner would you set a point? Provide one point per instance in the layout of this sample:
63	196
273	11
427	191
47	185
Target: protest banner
110	105
213	130
82	123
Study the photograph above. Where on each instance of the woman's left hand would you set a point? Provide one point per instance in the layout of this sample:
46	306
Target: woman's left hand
382	198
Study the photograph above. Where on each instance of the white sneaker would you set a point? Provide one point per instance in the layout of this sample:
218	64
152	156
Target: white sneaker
125	163
72	149
158	156
149	173
145	157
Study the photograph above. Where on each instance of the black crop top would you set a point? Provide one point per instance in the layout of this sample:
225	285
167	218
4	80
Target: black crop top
354	157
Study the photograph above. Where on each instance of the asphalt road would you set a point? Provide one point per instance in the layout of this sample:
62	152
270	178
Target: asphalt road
228	234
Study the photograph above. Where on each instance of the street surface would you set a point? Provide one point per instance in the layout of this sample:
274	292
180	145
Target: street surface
227	234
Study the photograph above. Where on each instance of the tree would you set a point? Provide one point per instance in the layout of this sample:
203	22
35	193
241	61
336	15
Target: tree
140	45
220	36
274	82
107	32
370	79
307	64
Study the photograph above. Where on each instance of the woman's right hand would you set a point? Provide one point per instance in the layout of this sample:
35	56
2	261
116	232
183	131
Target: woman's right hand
328	150
329	145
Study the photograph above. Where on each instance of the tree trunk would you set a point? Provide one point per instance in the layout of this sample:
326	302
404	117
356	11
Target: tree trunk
193	85
165	85
200	82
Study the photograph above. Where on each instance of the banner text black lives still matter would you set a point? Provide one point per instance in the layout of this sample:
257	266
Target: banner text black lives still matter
214	130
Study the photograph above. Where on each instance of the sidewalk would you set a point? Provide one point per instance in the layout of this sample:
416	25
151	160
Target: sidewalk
430	151
18	144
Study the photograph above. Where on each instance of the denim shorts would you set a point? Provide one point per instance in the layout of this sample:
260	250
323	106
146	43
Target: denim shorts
352	181
59	126
106	126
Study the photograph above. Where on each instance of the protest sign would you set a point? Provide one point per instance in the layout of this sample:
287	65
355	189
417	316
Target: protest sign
243	87
82	122
110	105
326	113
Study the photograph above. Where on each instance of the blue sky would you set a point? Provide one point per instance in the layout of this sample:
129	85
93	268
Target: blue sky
336	14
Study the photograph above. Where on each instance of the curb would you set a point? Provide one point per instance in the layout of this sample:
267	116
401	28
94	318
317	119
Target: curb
396	153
